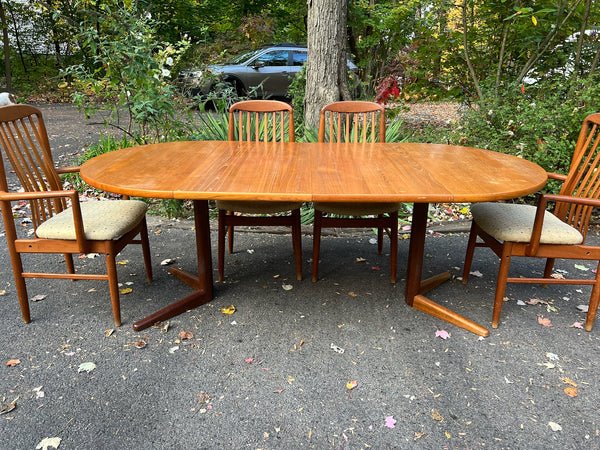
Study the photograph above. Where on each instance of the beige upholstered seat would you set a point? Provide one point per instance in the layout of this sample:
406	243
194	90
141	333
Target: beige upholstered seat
521	230
514	222
102	220
104	227
259	120
355	122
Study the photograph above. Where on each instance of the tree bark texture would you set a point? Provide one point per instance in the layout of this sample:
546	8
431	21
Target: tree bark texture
326	69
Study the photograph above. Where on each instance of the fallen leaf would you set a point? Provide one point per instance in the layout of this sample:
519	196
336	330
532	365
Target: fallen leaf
167	262
351	384
249	360
442	334
337	349
107	333
536	301
86	367
2	291
544	321
186	335
581	267
554	426
360	259
140	344
13	362
476	273
164	328
352	294
125	291
8	407
174	349
228	309
577	325
287	287
552	356
390	422
583	308
48	442
435	415
558	276
38	298
569	381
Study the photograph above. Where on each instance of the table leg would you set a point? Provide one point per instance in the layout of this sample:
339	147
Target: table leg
202	283
415	287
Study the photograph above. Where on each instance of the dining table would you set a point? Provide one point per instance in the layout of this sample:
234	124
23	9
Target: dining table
417	173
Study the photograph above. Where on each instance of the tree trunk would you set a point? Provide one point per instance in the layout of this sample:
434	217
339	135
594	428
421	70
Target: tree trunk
6	43
326	69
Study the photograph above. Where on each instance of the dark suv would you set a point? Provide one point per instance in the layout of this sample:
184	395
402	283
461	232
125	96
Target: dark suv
269	70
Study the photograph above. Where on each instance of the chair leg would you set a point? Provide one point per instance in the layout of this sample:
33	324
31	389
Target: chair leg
394	246
297	242
221	243
146	250
69	263
113	285
380	232
594	300
501	283
230	236
548	269
21	287
316	244
470	252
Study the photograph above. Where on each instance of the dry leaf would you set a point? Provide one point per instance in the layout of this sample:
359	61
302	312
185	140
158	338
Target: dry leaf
390	422
442	334
228	309
544	321
435	415
571	391
48	442
13	362
125	290
554	426
86	367
107	333
536	301
352	294
351	384
8	407
577	325
569	381
186	335
140	344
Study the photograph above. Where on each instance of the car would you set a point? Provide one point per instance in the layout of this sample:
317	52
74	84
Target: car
265	72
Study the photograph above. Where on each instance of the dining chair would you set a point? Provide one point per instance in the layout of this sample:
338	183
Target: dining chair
355	121
519	230
259	121
61	224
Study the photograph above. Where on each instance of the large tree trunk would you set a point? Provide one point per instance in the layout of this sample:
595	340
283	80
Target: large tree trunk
326	69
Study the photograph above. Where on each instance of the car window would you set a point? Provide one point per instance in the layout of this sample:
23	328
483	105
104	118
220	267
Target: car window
243	57
299	58
274	58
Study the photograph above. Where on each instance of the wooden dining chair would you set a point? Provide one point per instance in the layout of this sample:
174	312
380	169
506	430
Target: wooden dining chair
531	231
61	224
266	121
355	121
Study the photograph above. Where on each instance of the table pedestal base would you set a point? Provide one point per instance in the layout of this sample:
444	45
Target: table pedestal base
415	288
202	283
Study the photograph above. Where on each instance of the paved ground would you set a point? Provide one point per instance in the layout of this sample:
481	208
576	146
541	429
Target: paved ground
267	376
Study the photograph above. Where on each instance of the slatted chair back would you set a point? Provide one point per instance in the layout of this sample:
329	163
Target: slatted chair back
24	141
261	120
352	121
583	179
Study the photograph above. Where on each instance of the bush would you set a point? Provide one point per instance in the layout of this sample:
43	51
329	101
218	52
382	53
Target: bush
539	123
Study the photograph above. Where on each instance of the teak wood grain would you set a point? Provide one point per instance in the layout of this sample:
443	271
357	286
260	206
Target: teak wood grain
404	172
339	172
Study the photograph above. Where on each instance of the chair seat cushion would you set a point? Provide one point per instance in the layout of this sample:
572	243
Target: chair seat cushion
102	220
256	207
356	209
513	223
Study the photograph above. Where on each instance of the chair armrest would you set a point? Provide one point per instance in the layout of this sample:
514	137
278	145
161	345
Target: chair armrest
73	195
556	176
538	223
70	169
